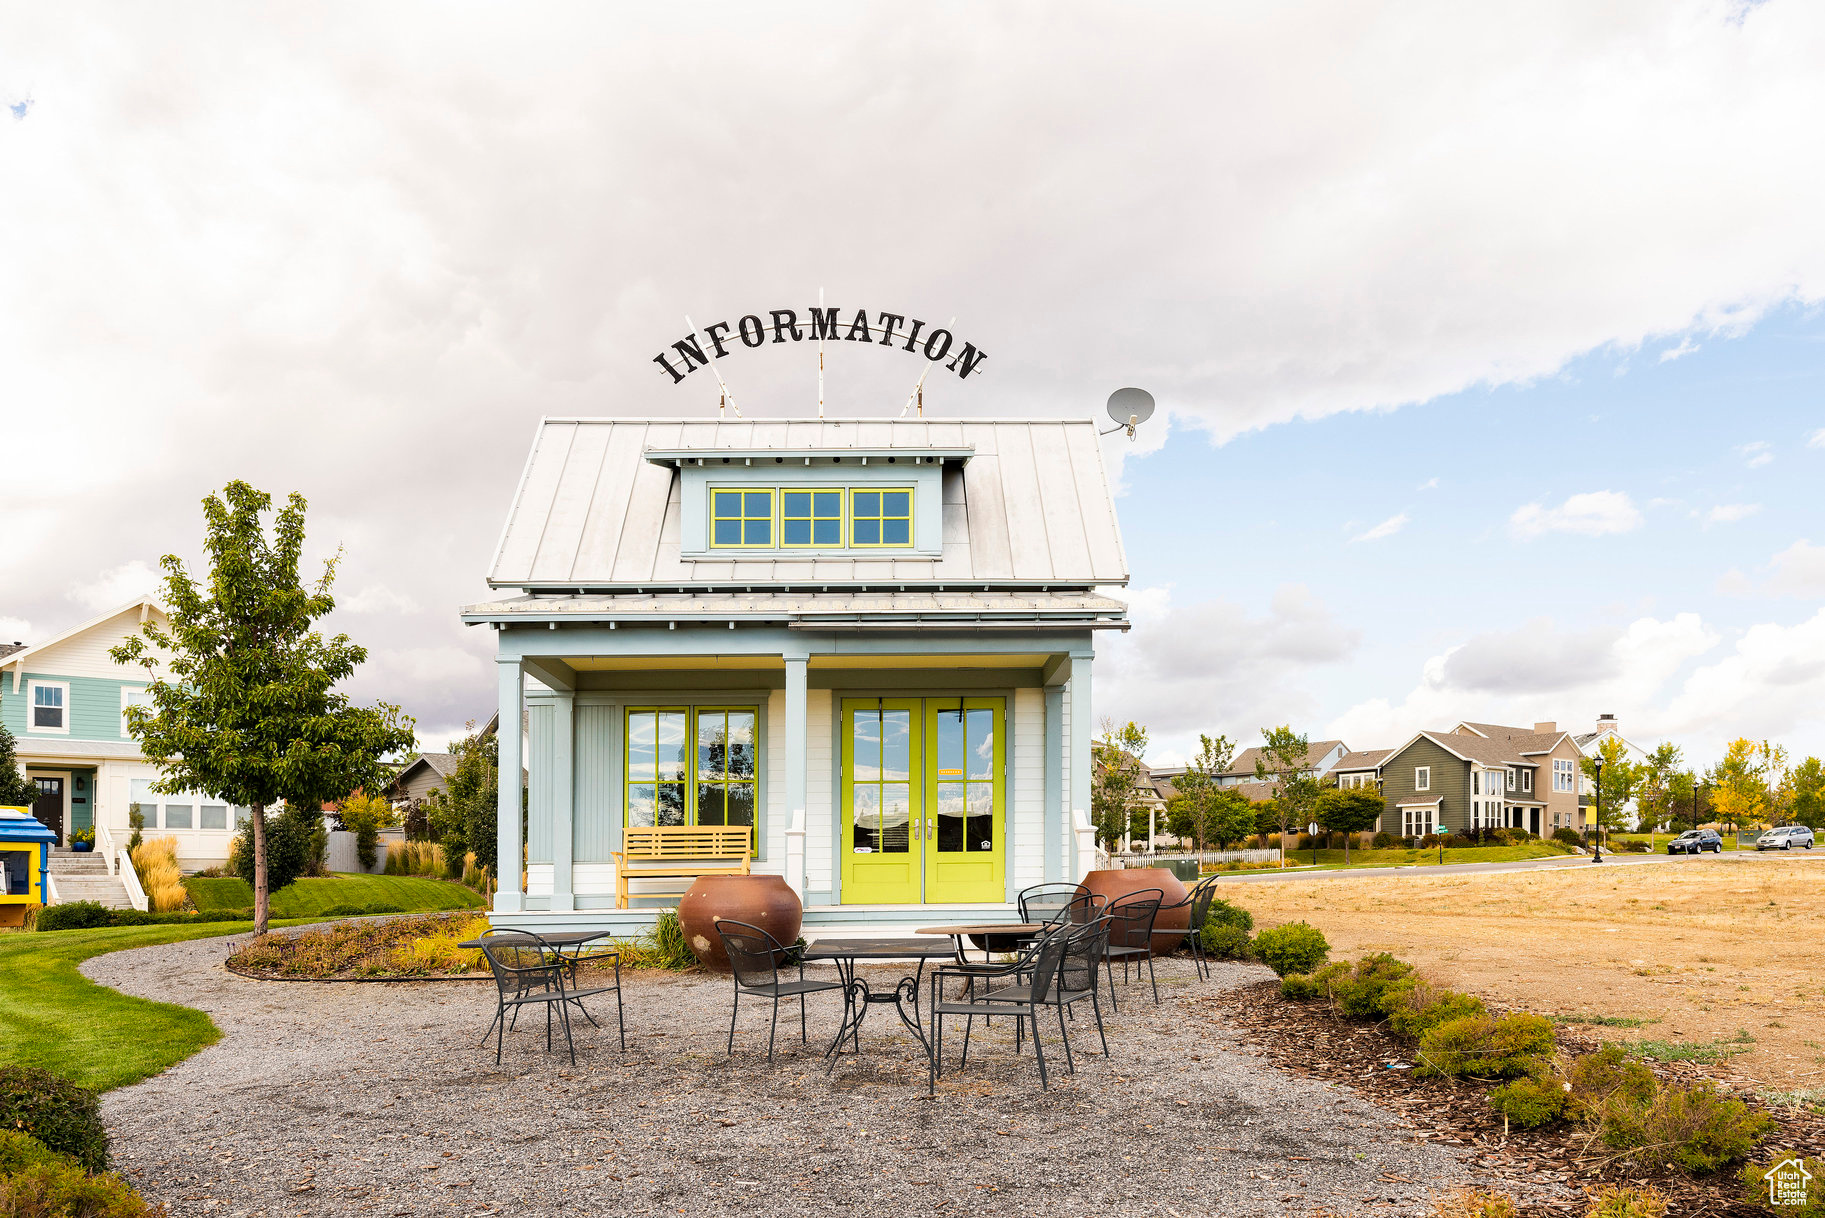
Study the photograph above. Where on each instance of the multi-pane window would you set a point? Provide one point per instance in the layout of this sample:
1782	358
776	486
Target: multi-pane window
48	706
1527	780
727	774
1415	822
741	518
811	518
880	518
143	795
1422	778
1476	782
1511	778
130	697
966	779
689	766
881	756
1562	774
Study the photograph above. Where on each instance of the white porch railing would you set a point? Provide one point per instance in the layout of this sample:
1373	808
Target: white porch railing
136	896
795	853
104	846
1090	856
50	889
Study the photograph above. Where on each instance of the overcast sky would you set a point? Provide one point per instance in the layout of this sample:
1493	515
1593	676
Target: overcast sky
1486	340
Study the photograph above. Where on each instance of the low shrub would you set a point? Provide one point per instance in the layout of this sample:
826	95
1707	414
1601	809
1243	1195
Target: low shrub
1569	836
1300	987
366	949
1230	915
1428	842
75	915
1530	1102
1477	1046
1414	1006
60	1114
1361	992
1755	1178
1460	841
1696	1128
670	949
19	1151
1225	942
1295	947
1385	841
1474	1203
61	1189
437	951
1627	1201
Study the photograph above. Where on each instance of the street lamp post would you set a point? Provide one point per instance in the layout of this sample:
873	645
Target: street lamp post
1597	857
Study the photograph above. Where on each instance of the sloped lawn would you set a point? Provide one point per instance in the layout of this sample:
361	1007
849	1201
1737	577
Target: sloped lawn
312	897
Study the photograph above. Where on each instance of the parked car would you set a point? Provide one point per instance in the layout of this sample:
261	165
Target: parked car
1695	841
1785	838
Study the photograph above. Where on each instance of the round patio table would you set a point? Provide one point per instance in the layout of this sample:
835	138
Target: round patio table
857	997
989	936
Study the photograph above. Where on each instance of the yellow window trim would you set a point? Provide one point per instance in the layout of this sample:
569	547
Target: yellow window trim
773	500
842	517
849	511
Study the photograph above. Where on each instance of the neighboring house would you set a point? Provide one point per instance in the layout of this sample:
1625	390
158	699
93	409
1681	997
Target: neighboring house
1320	755
1360	769
422	774
869	641
1482	776
65	700
1591	744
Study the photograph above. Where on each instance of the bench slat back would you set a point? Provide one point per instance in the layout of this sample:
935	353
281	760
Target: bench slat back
687	841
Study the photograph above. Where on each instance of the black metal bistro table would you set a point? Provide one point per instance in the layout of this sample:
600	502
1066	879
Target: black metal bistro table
574	942
858	997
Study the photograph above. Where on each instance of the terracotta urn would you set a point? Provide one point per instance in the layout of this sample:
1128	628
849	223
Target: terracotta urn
1119	882
765	901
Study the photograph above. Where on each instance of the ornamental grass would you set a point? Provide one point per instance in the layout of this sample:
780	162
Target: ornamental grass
156	863
419	946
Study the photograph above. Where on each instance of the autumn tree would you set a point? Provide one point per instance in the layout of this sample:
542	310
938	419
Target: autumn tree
1283	761
1740	785
1115	764
1654	787
246	708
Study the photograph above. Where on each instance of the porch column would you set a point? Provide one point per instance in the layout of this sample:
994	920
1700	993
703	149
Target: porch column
796	772
563	798
509	897
1057	824
1081	721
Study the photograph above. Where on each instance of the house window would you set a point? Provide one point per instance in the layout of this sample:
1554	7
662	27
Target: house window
1415	822
178	809
1527	781
880	518
1476	782
811	518
130	697
1422	778
212	816
1511	778
1562	774
741	518
50	706
688	766
142	795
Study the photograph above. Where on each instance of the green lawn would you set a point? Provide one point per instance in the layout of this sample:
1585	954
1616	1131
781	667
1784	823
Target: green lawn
1659	840
1427	858
310	897
53	1017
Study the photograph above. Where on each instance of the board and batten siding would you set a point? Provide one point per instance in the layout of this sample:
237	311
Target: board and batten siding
1450	781
1026	810
822	813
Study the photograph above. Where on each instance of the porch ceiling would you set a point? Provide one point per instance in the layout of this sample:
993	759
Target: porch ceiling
1010	660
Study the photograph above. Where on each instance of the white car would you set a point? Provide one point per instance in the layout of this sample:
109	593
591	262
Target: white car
1785	838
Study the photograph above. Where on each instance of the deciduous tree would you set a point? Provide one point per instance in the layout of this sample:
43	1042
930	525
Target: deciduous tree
1283	761
1654	787
16	790
246	708
1349	810
1115	762
1620	778
1191	810
1809	793
1740	785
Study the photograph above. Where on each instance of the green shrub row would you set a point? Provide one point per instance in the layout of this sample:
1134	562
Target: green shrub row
1293	948
1654	1123
87	915
63	1116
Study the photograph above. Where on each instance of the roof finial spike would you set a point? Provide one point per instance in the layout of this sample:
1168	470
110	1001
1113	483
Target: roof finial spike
917	396
728	399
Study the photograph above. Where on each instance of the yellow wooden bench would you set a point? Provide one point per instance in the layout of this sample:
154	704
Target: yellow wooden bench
676	852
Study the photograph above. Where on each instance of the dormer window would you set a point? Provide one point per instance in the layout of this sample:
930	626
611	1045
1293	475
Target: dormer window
741	518
811	518
880	518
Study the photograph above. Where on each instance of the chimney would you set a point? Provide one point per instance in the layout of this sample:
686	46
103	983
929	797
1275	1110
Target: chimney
1546	727
1607	723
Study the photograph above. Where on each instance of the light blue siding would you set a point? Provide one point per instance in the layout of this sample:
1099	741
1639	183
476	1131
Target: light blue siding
92	706
596	794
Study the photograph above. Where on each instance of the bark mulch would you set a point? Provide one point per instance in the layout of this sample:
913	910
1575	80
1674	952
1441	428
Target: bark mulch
1308	1038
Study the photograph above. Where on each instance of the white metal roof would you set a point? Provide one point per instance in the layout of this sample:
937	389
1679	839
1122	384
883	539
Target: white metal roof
1030	505
949	609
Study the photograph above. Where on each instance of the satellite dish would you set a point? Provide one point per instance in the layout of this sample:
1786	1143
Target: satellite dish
1129	408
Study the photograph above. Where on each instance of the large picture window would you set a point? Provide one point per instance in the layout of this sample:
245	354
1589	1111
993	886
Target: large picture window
691	766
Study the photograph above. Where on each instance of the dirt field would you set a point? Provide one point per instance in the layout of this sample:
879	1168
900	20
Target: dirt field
1706	952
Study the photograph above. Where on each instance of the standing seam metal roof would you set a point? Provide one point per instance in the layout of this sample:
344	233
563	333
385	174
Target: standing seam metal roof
1031	505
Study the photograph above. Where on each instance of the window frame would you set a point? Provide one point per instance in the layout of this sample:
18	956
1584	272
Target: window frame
911	517
127	703
692	711
31	707
842	517
1527	781
773	494
1422	778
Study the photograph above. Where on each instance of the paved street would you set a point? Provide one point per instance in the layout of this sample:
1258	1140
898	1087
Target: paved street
1551	864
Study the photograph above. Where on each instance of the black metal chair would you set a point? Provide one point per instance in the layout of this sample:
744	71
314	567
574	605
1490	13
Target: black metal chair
1197	906
1046	902
528	971
1131	920
1040	965
755	957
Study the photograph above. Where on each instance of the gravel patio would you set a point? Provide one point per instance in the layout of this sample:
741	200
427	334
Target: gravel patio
372	1098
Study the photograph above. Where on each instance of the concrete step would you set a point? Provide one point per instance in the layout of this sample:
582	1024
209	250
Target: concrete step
108	892
78	864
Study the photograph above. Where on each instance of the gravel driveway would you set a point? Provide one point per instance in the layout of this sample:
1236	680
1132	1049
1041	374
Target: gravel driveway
339	1099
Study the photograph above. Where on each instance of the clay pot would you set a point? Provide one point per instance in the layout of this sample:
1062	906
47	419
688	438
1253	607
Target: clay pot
1116	883
765	901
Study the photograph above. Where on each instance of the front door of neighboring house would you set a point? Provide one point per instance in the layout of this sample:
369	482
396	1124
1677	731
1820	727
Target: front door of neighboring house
1534	816
923	800
48	807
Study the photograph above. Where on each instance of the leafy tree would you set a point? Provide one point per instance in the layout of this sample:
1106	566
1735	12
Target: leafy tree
16	790
295	846
1654	787
462	819
1115	763
1620	777
1232	818
365	816
1740	785
1189	812
1778	779
1349	810
1691	799
1283	762
246	708
1808	780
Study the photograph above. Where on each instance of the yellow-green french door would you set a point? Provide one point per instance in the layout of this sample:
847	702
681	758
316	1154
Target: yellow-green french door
923	800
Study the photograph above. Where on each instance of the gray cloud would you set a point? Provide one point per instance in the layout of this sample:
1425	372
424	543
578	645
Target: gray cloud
1536	659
